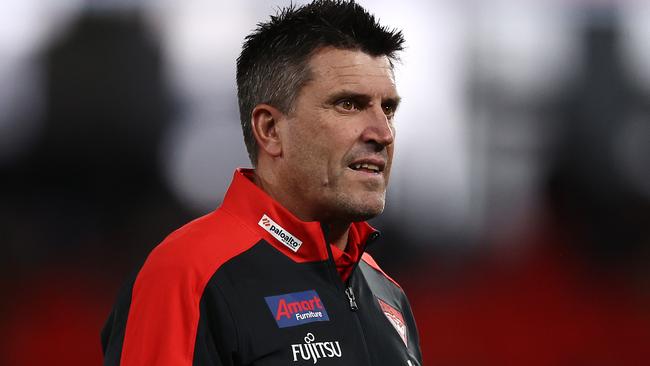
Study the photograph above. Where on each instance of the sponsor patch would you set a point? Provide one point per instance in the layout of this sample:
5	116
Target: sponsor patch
297	308
396	319
313	351
280	233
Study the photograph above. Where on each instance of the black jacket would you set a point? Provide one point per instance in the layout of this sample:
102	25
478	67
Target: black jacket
250	284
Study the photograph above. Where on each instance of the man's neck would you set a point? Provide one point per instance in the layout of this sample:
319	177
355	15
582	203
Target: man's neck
338	232
339	235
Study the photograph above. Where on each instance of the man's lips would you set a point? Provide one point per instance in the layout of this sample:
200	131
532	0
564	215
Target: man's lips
368	165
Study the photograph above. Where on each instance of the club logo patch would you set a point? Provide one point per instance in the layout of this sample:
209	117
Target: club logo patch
297	308
280	233
396	319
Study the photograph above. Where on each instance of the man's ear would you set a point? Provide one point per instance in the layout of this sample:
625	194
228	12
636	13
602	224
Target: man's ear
264	122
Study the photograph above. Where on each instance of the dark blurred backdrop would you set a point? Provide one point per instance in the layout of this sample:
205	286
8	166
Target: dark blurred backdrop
518	220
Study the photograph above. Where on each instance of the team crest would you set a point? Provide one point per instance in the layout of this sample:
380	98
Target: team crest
396	319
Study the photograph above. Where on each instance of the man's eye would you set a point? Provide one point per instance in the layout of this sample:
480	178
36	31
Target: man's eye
389	110
348	105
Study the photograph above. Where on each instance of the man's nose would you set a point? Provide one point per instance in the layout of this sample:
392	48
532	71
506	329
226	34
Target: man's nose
379	128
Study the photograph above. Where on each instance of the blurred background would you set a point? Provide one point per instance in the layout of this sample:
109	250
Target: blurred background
518	218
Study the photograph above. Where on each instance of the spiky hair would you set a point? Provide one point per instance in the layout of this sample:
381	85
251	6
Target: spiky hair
274	63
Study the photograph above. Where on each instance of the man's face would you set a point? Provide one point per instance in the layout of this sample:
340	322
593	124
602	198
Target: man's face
337	143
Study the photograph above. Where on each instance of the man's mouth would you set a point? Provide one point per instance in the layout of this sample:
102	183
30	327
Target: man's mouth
368	165
365	167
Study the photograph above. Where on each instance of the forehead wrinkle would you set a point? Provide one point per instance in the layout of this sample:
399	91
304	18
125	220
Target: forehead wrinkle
350	83
364	75
361	74
355	83
345	66
359	81
358	65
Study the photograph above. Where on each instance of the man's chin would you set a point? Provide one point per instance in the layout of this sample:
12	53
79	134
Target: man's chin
365	216
364	210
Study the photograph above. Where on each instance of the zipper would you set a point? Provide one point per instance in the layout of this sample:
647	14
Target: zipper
347	286
351	298
334	275
348	290
372	237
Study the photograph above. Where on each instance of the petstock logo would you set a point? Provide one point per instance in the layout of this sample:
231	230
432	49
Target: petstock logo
297	308
280	233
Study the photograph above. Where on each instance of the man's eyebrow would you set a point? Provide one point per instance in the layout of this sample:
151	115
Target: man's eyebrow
392	101
347	94
361	97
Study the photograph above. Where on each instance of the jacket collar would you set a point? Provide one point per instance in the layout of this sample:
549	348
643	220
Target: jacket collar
253	206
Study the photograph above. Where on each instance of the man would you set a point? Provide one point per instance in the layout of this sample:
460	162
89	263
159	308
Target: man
278	275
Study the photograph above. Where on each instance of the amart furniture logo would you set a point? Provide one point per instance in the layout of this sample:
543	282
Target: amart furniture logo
297	308
280	233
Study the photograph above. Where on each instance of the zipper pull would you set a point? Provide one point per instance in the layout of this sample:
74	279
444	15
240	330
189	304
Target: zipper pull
351	298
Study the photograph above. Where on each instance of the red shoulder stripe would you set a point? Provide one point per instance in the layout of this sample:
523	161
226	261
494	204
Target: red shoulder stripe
164	312
371	262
